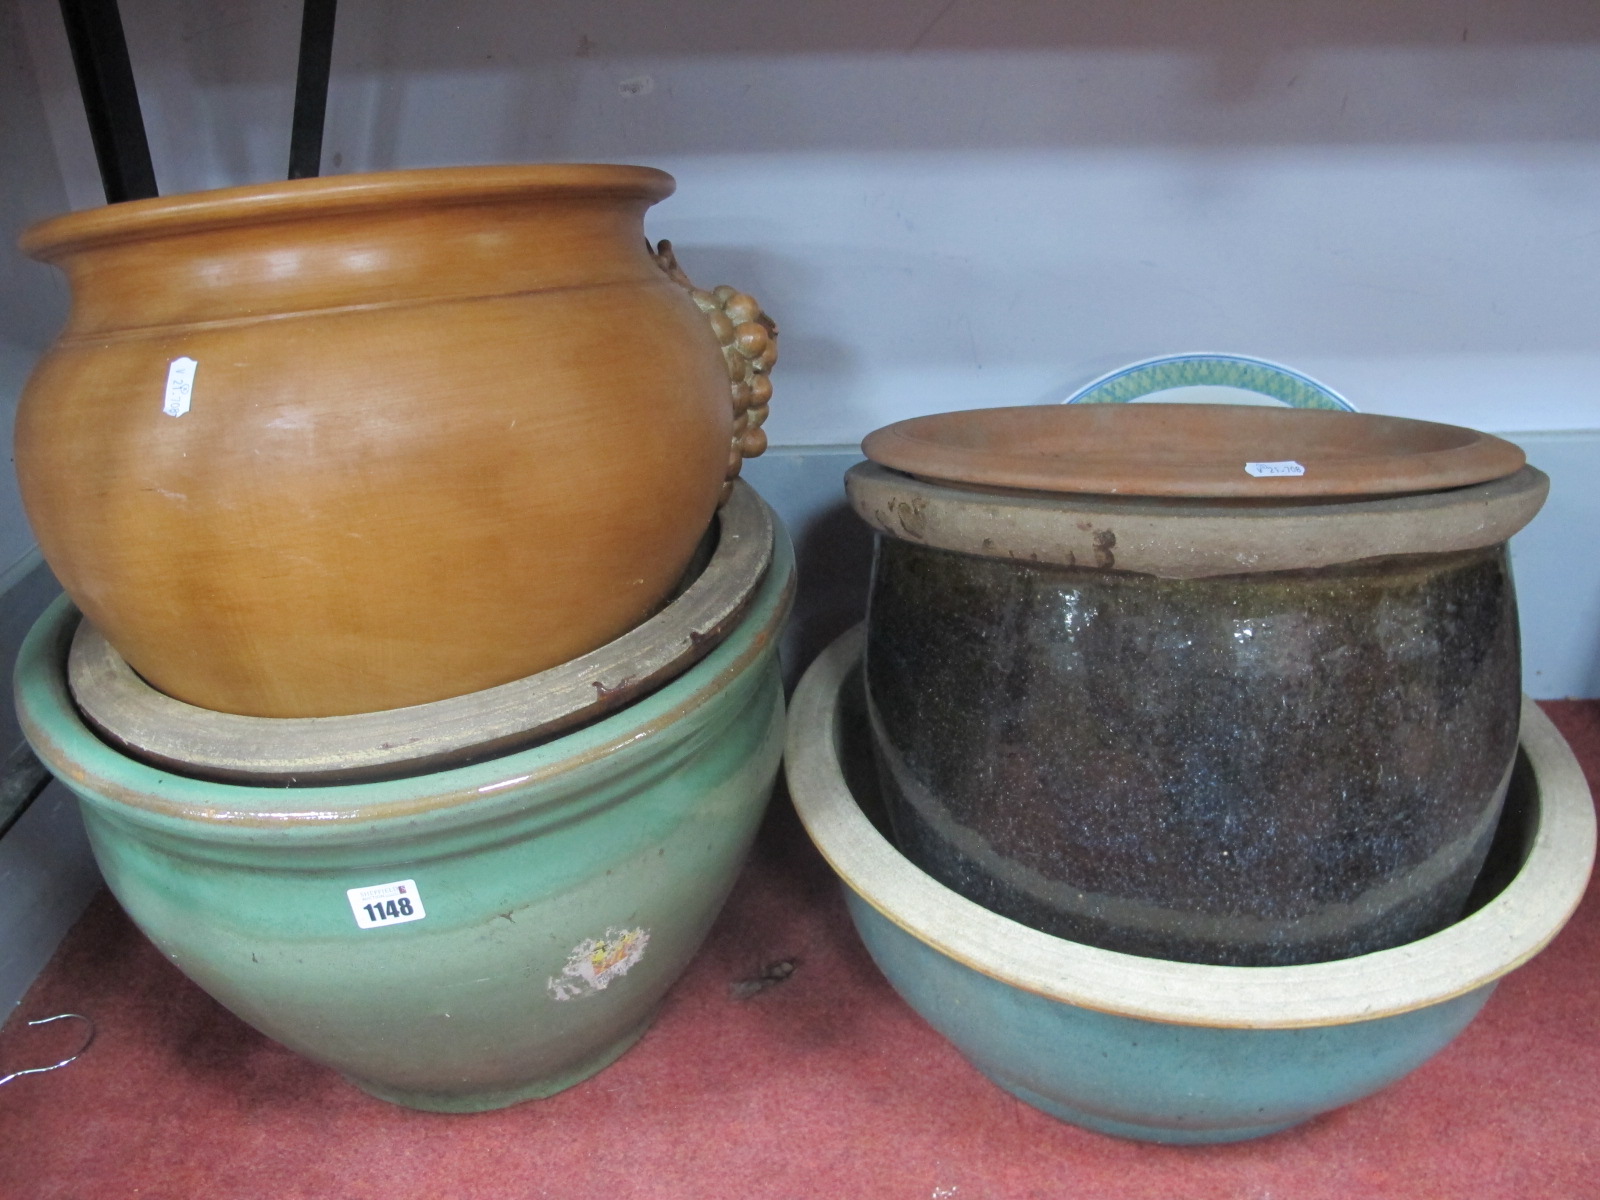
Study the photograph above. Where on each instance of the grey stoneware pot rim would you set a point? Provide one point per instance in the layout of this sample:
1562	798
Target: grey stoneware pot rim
1190	538
1470	954
184	806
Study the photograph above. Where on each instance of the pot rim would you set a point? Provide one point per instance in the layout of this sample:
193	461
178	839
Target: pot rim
361	747
338	195
101	774
1468	955
1190	538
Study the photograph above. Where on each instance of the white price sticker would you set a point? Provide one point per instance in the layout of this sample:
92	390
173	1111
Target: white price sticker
386	904
1289	467
180	386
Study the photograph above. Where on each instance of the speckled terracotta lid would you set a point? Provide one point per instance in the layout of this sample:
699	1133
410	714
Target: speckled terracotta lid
1193	450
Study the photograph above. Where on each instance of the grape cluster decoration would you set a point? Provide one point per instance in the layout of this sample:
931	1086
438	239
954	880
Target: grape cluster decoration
749	340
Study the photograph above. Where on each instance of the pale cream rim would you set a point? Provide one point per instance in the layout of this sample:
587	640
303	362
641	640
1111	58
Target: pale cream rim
1476	951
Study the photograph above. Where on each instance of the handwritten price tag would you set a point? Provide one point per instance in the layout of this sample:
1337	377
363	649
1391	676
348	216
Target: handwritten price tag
1269	469
180	386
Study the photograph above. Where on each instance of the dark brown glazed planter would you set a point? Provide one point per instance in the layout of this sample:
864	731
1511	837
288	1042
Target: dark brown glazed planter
1206	728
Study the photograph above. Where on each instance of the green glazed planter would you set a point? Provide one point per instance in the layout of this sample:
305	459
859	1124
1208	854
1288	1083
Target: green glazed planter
460	940
1171	1051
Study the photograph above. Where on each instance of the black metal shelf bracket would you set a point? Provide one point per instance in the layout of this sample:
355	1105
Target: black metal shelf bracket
311	88
110	99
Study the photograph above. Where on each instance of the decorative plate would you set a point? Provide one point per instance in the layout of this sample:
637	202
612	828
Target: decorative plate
1228	372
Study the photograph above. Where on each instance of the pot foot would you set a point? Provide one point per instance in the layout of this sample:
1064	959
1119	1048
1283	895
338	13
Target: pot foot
1134	1131
493	1098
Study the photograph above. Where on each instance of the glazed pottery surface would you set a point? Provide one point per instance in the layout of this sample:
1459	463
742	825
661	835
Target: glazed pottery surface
1147	1081
538	906
1250	769
1170	1051
357	443
1205	730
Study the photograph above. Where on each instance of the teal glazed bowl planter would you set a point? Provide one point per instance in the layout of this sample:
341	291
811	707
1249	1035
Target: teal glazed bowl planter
1171	1051
460	940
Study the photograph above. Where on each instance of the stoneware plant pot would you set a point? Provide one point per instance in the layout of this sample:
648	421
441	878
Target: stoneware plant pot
1170	1051
459	940
1211	683
350	444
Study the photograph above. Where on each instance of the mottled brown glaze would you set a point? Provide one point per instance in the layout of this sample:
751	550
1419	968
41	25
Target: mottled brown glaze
1190	450
1260	769
448	429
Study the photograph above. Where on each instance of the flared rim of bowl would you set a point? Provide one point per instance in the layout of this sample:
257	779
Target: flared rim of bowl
103	774
1470	954
338	195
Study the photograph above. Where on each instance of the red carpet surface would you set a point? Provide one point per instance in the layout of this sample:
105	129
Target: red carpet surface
821	1084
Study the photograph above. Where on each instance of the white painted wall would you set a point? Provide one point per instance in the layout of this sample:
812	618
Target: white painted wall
951	203
33	298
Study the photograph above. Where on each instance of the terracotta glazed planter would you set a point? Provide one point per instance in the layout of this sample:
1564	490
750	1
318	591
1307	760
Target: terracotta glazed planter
351	444
1171	1051
1175	707
457	940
